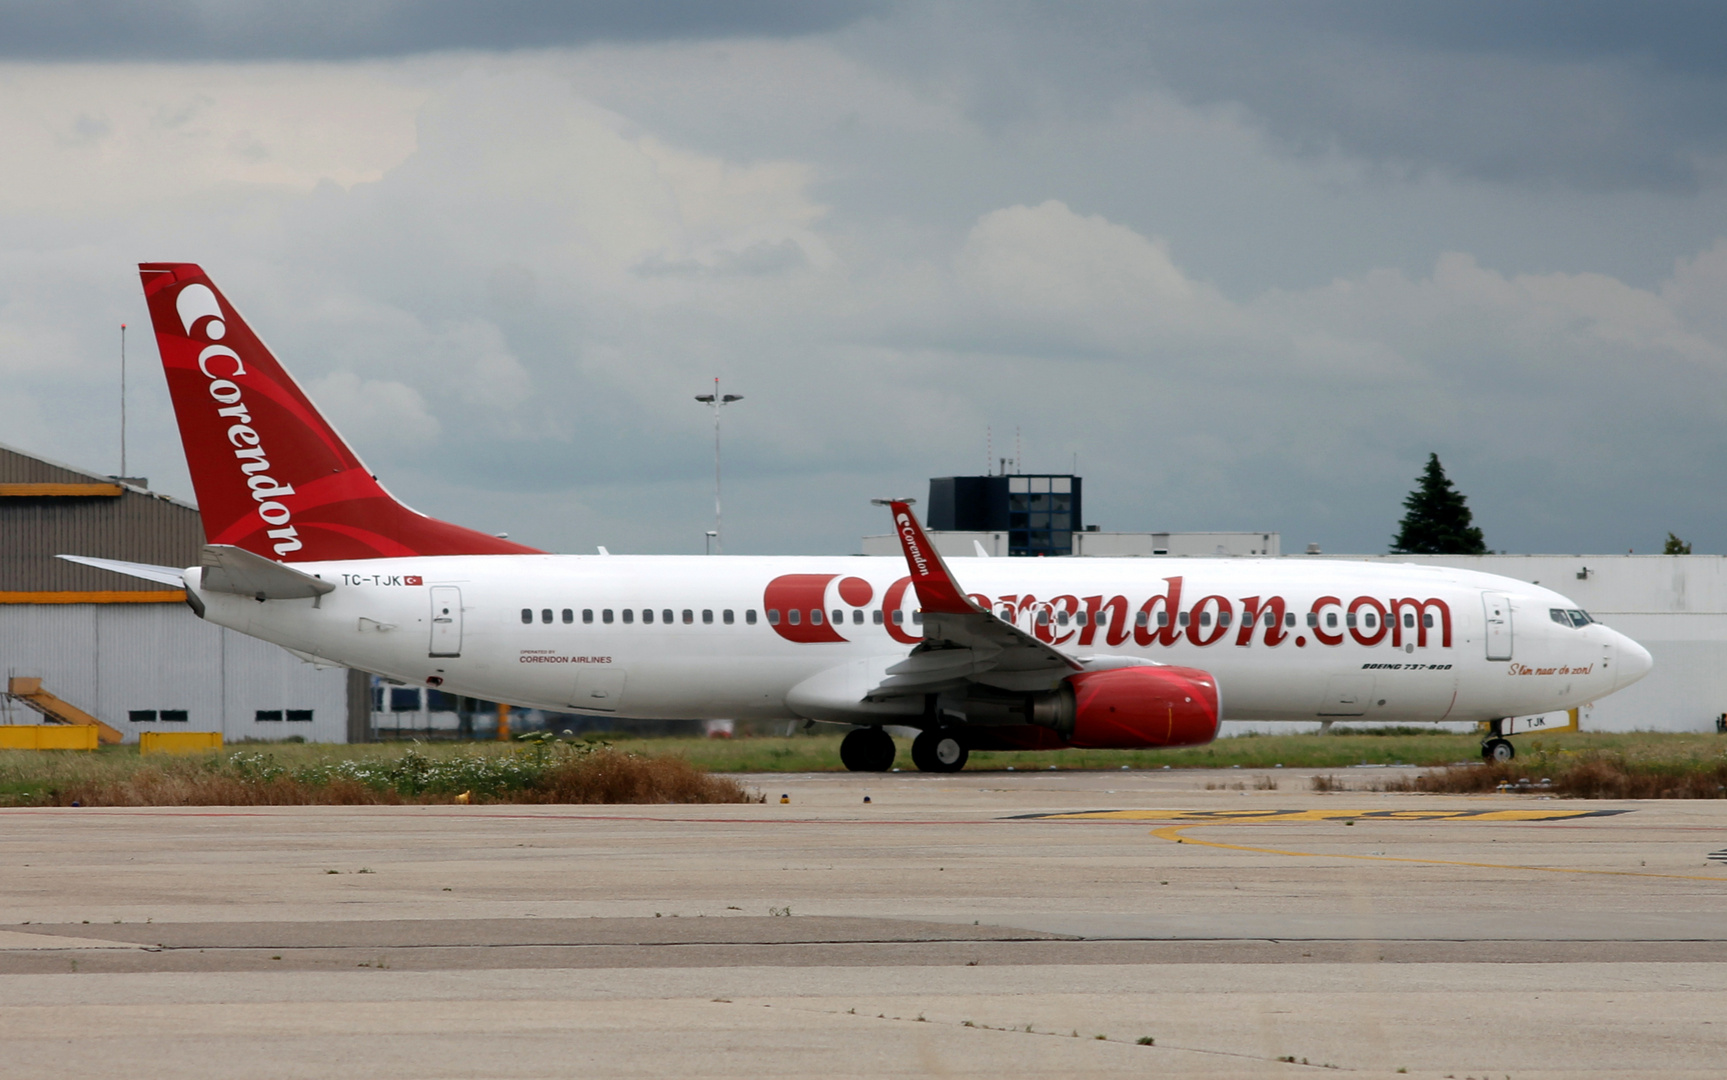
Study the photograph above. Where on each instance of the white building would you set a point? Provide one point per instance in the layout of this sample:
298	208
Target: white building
1673	605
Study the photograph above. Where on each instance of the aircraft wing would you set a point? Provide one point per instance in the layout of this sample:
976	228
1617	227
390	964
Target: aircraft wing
962	642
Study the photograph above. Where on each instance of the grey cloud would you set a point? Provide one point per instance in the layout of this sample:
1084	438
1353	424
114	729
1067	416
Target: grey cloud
1588	95
348	29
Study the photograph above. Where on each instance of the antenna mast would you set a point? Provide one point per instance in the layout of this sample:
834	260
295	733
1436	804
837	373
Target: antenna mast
123	399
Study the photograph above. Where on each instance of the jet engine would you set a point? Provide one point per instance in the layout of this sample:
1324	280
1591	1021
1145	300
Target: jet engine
1117	709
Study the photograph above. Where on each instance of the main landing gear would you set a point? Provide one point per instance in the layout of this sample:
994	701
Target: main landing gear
938	750
1496	749
867	749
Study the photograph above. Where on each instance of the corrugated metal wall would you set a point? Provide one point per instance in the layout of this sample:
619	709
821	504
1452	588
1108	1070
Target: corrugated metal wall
136	526
110	659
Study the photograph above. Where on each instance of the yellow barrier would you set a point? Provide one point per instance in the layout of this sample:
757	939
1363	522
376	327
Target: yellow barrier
47	737
179	742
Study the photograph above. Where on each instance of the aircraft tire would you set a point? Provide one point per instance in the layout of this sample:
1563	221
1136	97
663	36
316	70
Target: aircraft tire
1498	751
867	750
939	750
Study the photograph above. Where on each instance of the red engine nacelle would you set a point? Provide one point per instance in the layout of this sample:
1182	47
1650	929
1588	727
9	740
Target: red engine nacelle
1128	708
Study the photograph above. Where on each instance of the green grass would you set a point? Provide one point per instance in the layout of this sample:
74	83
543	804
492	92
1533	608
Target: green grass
820	752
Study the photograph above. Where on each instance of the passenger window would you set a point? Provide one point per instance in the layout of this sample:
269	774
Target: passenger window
1061	618
1289	619
876	617
606	616
726	616
1182	619
629	616
1372	620
527	614
1043	618
588	615
857	616
1313	618
839	616
690	617
749	616
1163	618
1427	621
1331	619
1408	621
917	617
569	616
666	616
1079	618
1144	617
1349	619
1271	618
774	616
647	615
815	616
793	616
1205	618
708	616
545	615
1223	618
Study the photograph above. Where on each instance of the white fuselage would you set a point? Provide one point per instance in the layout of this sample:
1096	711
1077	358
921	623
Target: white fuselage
457	622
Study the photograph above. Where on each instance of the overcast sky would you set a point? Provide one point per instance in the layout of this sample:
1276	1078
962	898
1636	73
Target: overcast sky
1246	264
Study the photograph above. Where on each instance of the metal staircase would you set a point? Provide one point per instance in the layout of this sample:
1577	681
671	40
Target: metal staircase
29	692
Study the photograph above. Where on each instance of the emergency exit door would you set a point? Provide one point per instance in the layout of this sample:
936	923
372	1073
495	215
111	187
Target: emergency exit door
1498	610
446	621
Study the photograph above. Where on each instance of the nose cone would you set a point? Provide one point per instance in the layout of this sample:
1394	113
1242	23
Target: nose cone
1634	661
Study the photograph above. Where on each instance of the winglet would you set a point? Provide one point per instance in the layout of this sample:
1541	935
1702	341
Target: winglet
936	589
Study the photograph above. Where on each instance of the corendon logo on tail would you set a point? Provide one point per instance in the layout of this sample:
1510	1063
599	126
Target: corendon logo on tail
908	534
221	365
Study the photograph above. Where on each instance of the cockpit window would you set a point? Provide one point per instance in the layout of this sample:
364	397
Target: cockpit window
1569	616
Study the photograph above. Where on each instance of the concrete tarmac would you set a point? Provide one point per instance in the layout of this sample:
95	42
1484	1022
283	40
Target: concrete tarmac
984	924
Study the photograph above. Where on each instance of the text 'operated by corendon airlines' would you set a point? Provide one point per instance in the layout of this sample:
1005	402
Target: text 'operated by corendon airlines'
307	550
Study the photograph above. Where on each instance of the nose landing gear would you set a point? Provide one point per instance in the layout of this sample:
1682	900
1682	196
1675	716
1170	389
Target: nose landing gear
1496	749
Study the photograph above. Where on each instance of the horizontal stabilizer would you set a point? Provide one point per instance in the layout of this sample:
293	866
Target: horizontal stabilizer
235	570
166	575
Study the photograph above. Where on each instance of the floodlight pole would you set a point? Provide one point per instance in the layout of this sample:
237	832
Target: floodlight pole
717	400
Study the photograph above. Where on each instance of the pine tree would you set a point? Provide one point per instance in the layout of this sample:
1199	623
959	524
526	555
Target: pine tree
1438	521
1676	546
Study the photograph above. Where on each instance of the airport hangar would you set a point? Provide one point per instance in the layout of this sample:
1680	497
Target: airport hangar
130	652
1673	605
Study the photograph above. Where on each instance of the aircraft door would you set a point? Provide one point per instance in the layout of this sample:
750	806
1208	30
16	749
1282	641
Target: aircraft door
446	621
1498	610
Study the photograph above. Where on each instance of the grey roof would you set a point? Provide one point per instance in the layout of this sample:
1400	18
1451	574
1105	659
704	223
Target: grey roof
136	526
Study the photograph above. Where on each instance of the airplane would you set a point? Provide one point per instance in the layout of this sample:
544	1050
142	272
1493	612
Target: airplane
306	549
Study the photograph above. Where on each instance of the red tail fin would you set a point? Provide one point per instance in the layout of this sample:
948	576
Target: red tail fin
936	590
272	476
